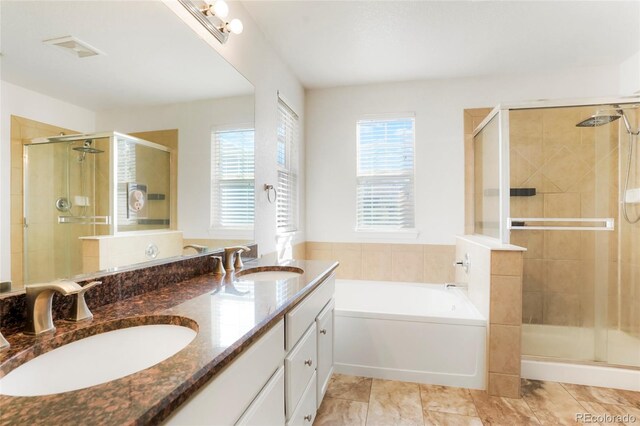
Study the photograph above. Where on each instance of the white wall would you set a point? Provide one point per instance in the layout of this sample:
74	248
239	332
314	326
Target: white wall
194	121
252	55
26	103
438	106
630	75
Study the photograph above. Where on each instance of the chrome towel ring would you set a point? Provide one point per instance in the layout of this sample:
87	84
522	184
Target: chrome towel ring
270	189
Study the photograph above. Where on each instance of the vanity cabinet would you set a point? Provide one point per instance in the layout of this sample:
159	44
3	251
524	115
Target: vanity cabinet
309	363
324	337
267	409
230	394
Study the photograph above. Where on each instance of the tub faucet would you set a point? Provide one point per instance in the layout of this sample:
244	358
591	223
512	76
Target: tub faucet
197	247
230	253
40	298
456	285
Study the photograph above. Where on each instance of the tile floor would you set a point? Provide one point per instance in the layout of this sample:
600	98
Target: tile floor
354	400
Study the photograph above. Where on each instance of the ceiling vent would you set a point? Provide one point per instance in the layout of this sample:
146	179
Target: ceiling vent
76	47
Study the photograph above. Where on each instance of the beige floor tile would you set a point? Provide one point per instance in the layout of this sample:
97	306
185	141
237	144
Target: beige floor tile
446	399
632	397
434	418
596	394
494	410
341	412
550	402
394	403
349	387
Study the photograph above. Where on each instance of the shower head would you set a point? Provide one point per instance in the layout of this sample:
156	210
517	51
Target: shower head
599	119
86	148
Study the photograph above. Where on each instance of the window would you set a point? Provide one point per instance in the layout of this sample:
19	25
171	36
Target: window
232	186
385	199
287	203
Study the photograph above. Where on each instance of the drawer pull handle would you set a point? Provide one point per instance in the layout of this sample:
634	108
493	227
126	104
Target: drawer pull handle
323	331
308	362
308	417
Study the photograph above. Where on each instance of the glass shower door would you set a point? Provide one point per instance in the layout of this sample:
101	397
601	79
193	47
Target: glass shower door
563	209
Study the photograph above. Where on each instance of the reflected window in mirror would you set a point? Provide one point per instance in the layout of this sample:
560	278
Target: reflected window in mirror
287	202
232	182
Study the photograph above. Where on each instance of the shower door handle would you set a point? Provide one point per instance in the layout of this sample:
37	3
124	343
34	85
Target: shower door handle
520	223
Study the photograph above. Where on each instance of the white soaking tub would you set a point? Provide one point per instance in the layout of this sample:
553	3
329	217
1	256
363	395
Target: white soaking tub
411	332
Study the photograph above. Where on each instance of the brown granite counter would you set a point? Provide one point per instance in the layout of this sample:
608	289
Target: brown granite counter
229	314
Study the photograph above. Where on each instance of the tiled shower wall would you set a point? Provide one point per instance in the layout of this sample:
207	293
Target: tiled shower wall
575	173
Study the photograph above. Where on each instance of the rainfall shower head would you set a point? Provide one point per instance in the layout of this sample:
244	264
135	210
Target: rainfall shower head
599	119
86	148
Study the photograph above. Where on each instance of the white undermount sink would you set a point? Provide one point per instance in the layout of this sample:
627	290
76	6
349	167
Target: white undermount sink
97	359
273	274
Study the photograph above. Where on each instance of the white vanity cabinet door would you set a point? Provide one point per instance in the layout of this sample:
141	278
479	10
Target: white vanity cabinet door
305	413
324	326
300	318
226	397
268	407
299	366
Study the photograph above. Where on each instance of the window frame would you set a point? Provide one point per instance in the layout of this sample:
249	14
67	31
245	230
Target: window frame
227	232
386	233
291	167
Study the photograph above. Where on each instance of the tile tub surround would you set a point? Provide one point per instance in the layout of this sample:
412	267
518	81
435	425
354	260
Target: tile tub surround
354	401
495	287
150	395
421	263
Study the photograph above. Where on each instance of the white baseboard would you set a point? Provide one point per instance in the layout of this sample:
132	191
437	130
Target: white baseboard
580	374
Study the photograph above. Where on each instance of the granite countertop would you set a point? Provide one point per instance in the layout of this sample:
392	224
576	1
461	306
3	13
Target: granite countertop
229	314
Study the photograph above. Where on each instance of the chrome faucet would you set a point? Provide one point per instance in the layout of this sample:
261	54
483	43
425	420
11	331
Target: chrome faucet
230	253
456	285
40	298
197	247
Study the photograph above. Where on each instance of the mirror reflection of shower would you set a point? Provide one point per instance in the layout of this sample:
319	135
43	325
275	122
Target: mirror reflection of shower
82	199
606	116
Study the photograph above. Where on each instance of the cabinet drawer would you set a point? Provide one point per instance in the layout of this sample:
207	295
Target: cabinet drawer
324	369
300	318
299	366
226	397
268	407
305	413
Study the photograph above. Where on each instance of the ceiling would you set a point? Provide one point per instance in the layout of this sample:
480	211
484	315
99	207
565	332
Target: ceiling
152	57
334	43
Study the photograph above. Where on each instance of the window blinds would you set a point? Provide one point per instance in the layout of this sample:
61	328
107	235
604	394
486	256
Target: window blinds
233	194
385	181
287	203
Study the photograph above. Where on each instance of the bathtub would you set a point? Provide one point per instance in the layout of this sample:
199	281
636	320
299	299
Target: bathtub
411	332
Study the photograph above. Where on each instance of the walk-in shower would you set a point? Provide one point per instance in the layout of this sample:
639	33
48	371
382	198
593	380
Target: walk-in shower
562	180
88	185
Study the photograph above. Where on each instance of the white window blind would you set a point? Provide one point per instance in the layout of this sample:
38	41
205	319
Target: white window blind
232	175
287	203
385	182
126	174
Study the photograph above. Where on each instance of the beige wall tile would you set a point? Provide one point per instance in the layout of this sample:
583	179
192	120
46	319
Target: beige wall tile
562	245
562	205
300	251
438	263
561	309
312	245
504	385
350	258
532	307
563	276
533	275
506	263
504	349
407	262
376	262
319	251
506	300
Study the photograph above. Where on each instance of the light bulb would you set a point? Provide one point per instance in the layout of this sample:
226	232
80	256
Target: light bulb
235	26
220	9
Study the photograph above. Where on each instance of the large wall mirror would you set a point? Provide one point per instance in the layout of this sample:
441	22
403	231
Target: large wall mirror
128	137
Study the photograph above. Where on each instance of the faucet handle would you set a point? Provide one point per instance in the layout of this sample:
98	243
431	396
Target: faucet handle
79	310
218	269
238	262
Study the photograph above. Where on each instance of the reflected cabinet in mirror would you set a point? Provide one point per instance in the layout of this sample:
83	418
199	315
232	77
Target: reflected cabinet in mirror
124	149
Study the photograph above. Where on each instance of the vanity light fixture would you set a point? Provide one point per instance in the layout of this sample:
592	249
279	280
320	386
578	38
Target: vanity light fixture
213	16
